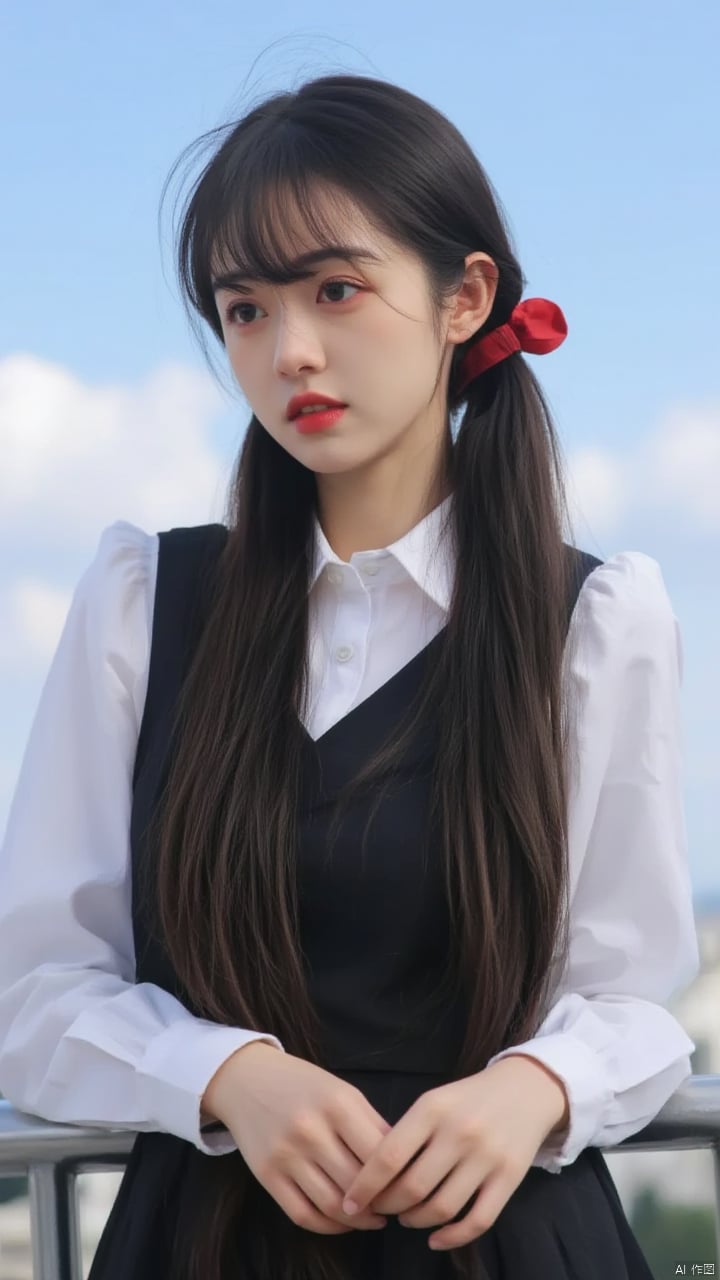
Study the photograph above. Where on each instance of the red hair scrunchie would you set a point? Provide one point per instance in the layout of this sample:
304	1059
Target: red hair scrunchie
535	325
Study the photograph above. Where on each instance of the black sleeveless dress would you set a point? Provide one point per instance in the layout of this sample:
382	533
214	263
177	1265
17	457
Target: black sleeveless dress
375	933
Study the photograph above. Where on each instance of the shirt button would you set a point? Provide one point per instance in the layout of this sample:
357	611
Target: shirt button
335	575
371	569
344	652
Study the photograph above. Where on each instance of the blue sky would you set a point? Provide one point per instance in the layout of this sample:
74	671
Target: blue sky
598	127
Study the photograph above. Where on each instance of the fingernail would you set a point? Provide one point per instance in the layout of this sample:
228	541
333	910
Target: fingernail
350	1207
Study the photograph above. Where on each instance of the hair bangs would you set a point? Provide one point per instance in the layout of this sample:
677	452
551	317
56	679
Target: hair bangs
279	207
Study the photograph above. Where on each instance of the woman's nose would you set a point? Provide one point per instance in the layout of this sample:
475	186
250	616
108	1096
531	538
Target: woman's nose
297	346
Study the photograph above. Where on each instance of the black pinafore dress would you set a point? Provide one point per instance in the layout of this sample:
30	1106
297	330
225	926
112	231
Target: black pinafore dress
375	933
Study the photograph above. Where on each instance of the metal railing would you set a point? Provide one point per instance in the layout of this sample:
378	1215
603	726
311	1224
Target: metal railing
53	1155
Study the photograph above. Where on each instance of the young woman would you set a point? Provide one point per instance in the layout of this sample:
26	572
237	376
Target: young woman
347	862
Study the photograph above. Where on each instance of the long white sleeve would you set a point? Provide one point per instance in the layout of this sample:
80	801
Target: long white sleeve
80	1042
633	942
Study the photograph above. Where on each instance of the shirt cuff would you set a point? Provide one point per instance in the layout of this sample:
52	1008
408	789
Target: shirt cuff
588	1094
176	1070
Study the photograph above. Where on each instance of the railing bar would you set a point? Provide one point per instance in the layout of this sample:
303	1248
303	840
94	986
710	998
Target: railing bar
73	1222
113	1164
716	1162
691	1142
47	1230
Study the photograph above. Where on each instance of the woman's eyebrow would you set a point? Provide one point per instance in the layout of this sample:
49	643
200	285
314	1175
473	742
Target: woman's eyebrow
346	253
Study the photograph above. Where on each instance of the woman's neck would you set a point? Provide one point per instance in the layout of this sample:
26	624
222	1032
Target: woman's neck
363	517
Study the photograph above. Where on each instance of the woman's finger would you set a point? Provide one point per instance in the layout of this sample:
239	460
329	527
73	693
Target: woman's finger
301	1210
490	1201
447	1200
327	1196
361	1128
339	1162
389	1158
419	1180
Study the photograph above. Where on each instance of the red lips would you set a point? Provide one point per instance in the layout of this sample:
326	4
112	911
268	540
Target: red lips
308	398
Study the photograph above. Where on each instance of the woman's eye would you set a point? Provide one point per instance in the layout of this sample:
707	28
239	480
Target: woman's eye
236	309
340	284
237	313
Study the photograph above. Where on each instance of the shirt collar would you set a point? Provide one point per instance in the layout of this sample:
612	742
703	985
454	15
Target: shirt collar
424	554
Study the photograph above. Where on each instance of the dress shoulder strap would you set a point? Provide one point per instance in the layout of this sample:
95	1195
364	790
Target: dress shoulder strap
186	559
582	565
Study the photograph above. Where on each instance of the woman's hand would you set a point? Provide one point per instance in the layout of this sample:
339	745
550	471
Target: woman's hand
303	1133
478	1134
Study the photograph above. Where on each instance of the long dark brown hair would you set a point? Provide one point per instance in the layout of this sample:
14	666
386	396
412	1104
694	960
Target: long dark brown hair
226	850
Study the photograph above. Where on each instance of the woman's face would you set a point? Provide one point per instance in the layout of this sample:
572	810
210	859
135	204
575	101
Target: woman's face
358	331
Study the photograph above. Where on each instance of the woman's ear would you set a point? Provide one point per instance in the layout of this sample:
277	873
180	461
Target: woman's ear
474	300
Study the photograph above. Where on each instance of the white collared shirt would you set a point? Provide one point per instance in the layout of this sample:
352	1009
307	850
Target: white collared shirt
81	1043
370	615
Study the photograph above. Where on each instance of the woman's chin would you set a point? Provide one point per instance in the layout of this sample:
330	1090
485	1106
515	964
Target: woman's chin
329	456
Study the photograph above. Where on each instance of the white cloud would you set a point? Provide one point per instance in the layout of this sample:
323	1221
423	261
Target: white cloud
597	488
33	614
684	464
675	469
76	457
